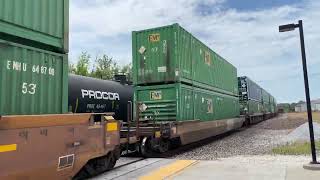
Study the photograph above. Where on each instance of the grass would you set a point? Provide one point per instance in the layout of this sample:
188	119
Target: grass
297	148
303	115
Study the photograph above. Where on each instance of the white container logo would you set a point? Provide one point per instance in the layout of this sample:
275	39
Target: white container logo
99	95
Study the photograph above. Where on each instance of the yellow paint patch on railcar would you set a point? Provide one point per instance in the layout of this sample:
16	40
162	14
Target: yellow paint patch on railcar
8	147
157	134
113	126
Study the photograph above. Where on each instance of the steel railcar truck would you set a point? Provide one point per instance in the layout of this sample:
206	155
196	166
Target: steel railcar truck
58	146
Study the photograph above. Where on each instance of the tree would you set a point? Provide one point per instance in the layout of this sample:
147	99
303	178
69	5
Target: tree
115	68
72	69
82	66
127	70
103	67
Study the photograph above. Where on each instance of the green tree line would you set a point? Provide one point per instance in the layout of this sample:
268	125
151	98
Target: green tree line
102	67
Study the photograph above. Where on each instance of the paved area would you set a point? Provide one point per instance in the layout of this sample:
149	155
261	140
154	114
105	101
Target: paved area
259	167
244	154
239	167
132	168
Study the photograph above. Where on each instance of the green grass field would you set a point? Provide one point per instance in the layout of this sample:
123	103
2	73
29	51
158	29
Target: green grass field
297	148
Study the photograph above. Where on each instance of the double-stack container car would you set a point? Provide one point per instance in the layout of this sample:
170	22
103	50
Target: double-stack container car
39	139
256	104
184	88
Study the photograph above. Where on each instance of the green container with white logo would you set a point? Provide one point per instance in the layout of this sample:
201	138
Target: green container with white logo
170	54
181	102
32	81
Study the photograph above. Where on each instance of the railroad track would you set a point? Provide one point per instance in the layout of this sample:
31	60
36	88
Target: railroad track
131	162
197	144
181	149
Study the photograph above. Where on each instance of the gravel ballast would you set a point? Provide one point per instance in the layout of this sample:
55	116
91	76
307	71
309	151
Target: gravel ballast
301	134
259	139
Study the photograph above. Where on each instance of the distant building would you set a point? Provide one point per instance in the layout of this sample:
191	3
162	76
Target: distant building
302	107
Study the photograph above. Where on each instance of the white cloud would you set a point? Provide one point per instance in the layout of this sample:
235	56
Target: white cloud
112	18
249	40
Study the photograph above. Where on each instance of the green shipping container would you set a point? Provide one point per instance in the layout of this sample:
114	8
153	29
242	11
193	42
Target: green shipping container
180	102
171	54
273	104
266	101
32	81
39	23
265	97
251	107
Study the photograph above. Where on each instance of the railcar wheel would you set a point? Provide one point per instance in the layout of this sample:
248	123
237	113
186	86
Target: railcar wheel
112	162
87	172
104	163
145	148
164	145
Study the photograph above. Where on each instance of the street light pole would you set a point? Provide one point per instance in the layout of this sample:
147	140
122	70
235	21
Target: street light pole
291	27
306	86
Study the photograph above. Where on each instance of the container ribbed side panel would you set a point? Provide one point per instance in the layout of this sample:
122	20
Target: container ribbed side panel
154	53
170	54
182	102
39	21
33	81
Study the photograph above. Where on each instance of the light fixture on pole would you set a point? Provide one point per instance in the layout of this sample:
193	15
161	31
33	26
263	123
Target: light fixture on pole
290	27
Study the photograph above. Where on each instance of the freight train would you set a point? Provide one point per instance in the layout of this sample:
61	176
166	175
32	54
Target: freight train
183	91
256	104
59	126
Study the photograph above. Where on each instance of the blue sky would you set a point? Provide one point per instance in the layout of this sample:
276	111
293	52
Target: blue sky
246	5
245	32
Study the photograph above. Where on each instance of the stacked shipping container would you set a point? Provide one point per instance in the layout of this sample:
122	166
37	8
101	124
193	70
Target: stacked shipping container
33	59
180	78
183	102
171	54
42	24
254	100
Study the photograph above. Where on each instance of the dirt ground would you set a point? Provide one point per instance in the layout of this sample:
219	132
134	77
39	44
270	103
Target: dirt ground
303	115
290	121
